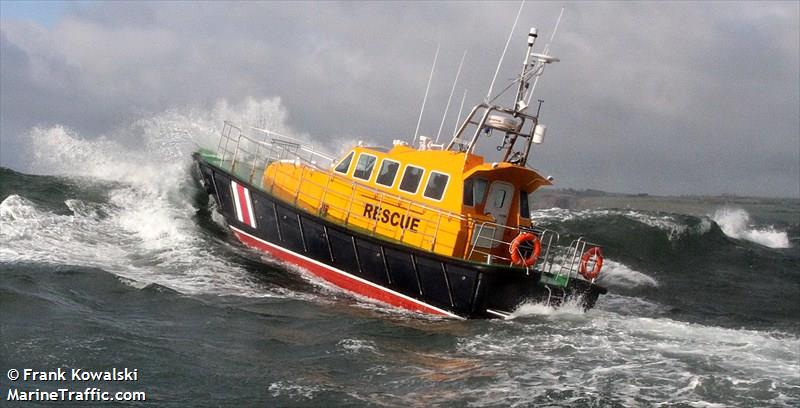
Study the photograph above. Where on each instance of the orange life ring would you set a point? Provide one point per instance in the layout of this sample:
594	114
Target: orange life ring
598	263
516	255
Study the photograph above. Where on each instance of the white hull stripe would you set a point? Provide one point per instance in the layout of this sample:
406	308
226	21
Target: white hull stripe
237	206
343	273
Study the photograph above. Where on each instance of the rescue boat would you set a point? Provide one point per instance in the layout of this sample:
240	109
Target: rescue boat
425	227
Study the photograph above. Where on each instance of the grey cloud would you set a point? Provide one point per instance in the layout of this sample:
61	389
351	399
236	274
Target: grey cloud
664	98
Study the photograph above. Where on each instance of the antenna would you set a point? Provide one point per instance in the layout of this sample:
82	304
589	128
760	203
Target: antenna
461	109
545	52
441	125
427	88
503	55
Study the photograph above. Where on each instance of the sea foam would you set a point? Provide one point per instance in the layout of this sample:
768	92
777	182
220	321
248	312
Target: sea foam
619	274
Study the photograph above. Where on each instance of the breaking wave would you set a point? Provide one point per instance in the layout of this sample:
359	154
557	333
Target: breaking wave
127	202
735	223
146	151
675	226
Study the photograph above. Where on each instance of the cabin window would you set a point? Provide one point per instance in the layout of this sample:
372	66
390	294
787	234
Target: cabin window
468	200
387	173
474	190
481	186
344	165
524	208
411	178
499	198
366	162
437	183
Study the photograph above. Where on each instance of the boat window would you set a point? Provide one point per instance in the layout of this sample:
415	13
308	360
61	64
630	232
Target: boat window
344	165
468	183
387	172
479	191
474	190
411	178
524	208
366	162
437	183
499	198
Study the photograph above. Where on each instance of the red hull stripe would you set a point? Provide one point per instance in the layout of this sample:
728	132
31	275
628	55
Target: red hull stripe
243	205
341	278
243	201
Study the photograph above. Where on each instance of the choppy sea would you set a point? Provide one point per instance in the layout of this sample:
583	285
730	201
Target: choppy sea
112	256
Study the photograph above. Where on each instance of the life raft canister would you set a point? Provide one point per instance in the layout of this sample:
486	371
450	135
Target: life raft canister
516	255
595	253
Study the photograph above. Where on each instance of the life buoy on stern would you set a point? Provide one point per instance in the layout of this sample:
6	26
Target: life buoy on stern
595	253
516	255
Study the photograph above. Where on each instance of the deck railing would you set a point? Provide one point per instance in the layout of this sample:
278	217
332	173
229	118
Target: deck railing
247	156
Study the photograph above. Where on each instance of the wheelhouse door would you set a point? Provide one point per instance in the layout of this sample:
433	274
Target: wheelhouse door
498	204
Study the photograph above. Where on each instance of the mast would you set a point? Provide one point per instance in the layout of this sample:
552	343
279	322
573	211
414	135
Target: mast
520	104
514	121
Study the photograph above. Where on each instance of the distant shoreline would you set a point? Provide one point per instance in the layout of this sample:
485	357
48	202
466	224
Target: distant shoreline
686	204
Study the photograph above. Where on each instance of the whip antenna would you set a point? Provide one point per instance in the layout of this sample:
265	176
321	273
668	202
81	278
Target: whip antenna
427	88
461	109
503	55
441	125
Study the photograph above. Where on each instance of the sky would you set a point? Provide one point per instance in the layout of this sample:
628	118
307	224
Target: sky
649	97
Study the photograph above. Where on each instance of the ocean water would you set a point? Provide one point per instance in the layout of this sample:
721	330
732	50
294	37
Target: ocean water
112	256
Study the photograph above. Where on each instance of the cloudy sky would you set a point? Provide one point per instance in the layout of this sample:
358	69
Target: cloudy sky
663	98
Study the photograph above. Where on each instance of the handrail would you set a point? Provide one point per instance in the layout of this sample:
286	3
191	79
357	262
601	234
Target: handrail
547	238
303	156
226	135
327	193
347	180
480	124
307	148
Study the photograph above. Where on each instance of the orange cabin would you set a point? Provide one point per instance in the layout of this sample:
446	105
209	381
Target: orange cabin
450	202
